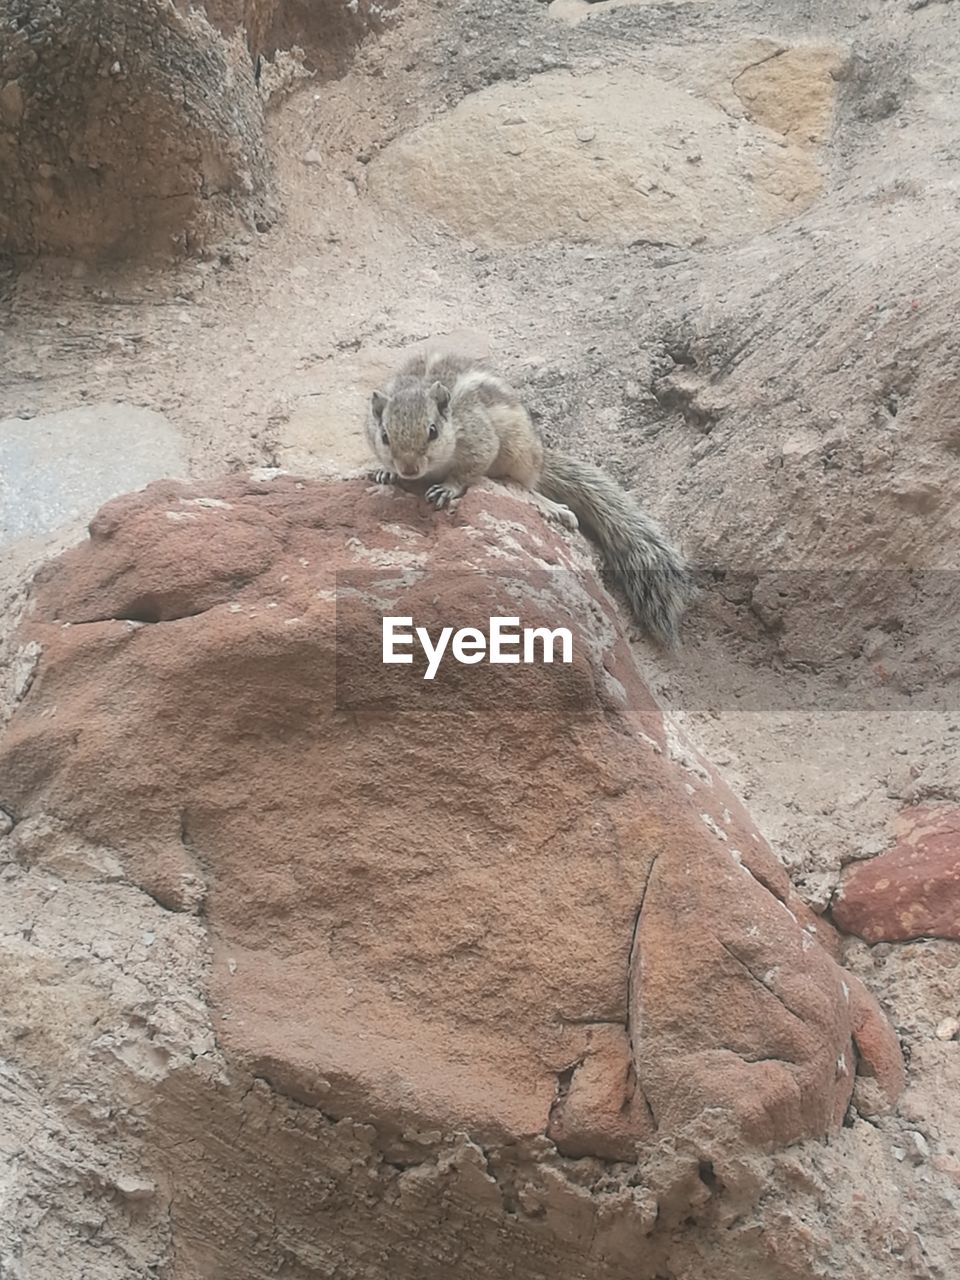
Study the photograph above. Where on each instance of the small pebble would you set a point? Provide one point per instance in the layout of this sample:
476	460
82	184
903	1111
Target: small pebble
135	1188
948	1029
917	1148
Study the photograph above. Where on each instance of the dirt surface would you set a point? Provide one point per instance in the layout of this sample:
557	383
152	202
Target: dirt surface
784	400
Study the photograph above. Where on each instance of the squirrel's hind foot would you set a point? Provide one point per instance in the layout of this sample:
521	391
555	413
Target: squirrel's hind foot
563	516
557	512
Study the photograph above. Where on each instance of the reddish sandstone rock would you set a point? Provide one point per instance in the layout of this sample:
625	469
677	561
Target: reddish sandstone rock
508	902
912	890
881	1073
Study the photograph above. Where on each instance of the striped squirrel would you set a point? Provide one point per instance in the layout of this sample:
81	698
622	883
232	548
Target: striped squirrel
450	420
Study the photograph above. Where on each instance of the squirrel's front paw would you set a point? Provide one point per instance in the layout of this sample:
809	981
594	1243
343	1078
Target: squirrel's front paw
383	477
441	495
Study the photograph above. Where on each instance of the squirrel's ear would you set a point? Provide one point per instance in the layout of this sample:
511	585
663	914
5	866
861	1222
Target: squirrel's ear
378	402
440	396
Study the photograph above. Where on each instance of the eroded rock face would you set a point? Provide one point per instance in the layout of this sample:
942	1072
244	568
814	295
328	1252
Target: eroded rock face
327	31
134	128
791	90
509	903
126	129
619	156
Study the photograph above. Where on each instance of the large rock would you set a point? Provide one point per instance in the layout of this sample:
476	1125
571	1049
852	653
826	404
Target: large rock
509	904
60	467
912	890
613	156
127	128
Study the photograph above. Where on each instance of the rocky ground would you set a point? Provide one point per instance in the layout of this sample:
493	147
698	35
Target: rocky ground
716	245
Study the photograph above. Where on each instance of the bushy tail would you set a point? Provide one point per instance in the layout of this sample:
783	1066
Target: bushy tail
651	573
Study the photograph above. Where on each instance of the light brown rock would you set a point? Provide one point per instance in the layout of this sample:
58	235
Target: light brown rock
792	91
509	165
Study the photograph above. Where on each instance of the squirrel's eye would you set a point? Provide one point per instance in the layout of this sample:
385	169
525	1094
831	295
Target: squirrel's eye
385	438
433	432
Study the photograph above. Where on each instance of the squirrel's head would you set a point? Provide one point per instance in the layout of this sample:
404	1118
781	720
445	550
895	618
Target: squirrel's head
411	430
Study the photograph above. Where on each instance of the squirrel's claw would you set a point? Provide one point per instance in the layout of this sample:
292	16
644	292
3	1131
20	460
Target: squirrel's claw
441	495
383	477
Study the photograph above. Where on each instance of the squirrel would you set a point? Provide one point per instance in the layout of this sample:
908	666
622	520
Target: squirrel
449	420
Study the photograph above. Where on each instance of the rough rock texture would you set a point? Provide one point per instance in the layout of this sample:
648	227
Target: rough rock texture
135	130
419	924
610	157
912	890
112	448
326	31
791	90
125	129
